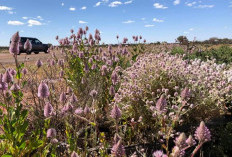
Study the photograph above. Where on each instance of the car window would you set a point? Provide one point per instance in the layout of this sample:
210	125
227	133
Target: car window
37	41
23	40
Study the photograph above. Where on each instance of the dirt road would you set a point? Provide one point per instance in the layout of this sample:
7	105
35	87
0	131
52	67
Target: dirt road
7	60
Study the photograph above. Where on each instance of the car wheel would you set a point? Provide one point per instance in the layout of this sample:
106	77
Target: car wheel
46	51
29	52
36	52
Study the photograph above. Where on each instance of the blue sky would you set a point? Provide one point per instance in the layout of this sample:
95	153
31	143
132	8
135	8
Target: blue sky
155	20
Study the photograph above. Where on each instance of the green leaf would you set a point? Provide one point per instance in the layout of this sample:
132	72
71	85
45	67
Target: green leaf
7	155
23	145
24	114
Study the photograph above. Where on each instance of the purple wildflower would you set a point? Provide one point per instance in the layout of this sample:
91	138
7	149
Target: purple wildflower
7	77
61	74
61	62
94	66
116	112
67	108
185	94
79	110
15	87
118	149
86	110
112	90
15	37
52	62
71	31
28	45
54	141
24	71
73	98
202	133
81	55
43	91
93	94
86	68
161	103
48	110
114	78
75	47
14	45
74	154
125	40
159	153
62	97
190	141
13	72
177	152
181	141
51	133
69	90
39	63
3	86
104	70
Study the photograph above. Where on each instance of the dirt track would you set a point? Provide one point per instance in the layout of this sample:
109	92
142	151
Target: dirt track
7	60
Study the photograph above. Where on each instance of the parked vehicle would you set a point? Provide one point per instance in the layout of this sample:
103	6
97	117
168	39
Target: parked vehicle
37	46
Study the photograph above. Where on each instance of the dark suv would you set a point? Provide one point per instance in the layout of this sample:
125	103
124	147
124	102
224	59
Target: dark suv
37	46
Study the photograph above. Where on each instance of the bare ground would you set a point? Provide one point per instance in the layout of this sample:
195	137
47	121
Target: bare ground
7	60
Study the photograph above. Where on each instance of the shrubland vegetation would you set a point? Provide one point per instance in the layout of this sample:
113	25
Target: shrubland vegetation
125	101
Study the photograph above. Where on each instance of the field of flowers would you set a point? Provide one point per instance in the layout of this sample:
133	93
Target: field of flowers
93	100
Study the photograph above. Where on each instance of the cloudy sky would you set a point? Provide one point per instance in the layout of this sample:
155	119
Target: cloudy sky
155	20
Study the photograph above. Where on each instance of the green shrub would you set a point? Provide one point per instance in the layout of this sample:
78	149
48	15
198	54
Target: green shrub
222	54
177	50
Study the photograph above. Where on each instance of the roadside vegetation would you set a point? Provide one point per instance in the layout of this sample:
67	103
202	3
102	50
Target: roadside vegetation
167	100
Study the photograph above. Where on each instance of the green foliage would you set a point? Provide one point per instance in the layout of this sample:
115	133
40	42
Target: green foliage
14	141
177	50
225	139
223	54
182	40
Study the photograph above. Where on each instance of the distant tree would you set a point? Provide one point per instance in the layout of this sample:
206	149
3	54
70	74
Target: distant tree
182	40
213	40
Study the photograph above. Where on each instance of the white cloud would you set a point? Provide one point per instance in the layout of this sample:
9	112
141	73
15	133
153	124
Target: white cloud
176	2
157	20
129	21
5	8
40	18
62	4
11	12
72	9
186	32
205	6
33	22
15	23
115	4
159	6
149	25
128	2
191	29
83	8
97	4
143	18
82	22
191	4
25	17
